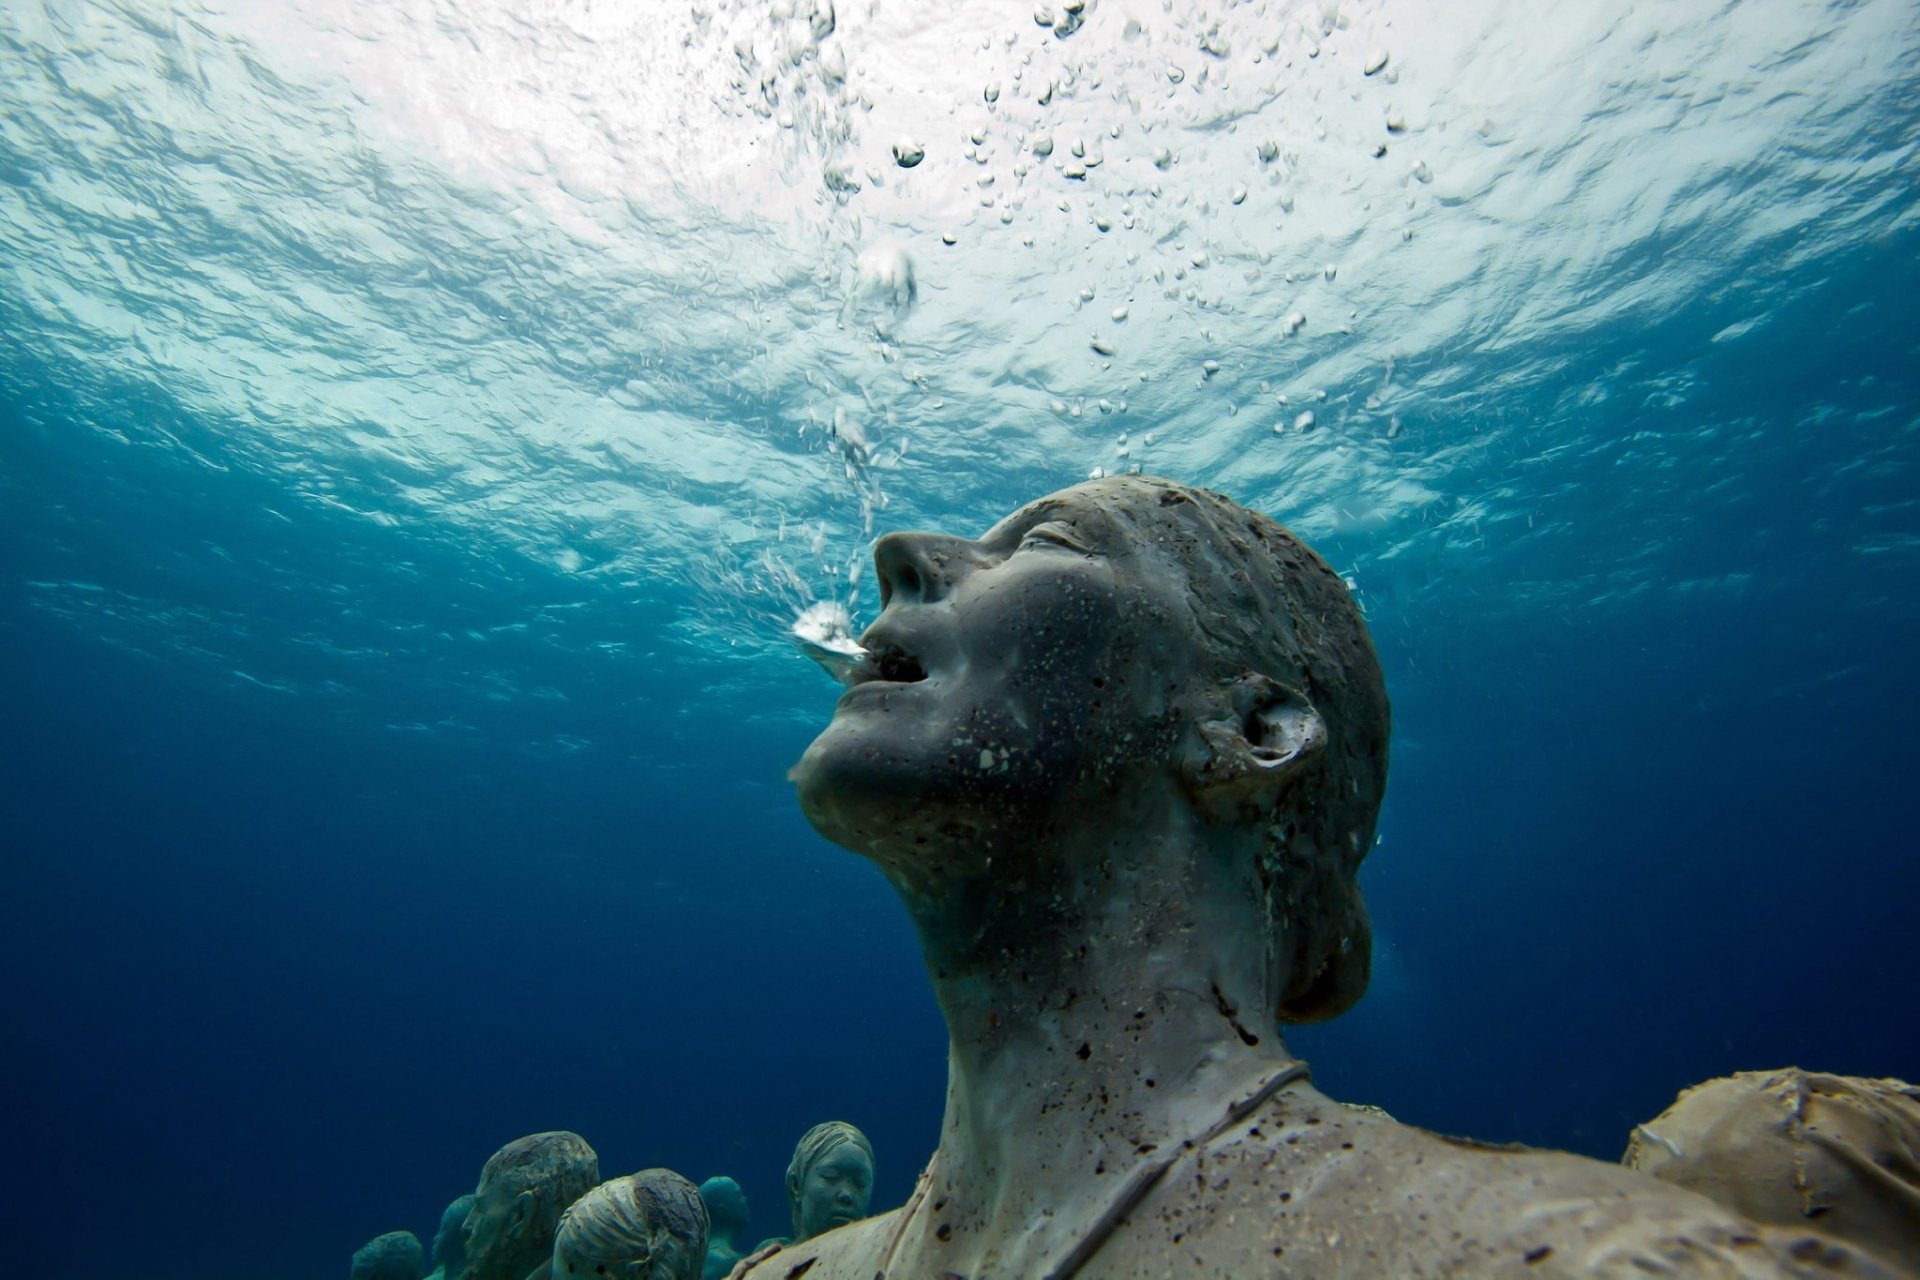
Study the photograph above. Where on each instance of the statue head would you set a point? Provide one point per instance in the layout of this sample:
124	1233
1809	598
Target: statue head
524	1188
829	1179
396	1255
650	1225
449	1254
1123	638
727	1213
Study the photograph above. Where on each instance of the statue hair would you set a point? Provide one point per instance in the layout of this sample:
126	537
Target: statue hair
1265	603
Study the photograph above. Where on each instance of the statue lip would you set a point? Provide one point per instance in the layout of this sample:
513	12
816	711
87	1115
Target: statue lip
886	663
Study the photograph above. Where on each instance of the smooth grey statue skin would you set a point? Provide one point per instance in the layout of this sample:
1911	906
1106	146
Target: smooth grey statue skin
1121	757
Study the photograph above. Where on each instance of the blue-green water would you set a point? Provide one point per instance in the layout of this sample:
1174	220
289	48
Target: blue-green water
420	425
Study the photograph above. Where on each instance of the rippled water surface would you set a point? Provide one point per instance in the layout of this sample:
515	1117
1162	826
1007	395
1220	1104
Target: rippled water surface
423	422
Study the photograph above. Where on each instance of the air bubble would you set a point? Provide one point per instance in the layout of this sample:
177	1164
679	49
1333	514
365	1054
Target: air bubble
907	154
1101	346
991	93
1238	195
1043	145
1375	61
1119	314
1303	420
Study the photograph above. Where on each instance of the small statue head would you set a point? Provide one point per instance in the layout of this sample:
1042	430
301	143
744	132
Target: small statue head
727	1213
394	1256
524	1188
1125	638
829	1179
449	1255
650	1225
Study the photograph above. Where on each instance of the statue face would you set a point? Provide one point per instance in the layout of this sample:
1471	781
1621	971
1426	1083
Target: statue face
836	1191
495	1231
1015	678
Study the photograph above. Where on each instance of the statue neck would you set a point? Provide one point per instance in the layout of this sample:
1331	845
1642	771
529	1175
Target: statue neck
1106	996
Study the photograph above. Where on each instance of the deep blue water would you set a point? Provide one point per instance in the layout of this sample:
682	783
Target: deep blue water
351	832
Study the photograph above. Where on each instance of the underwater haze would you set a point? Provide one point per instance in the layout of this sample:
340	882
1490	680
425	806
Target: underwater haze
424	421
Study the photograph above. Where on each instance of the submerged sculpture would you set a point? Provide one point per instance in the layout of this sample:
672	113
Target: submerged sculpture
650	1225
1121	758
1792	1148
449	1256
829	1179
524	1188
727	1217
396	1255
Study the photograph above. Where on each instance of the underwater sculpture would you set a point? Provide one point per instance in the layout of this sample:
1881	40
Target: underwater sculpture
1121	758
449	1255
829	1179
524	1188
727	1217
396	1255
1793	1147
650	1225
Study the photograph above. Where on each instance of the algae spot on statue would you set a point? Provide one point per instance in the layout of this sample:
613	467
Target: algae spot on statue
1121	758
524	1188
727	1217
650	1225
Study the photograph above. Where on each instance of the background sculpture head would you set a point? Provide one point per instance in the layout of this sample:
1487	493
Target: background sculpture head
829	1179
449	1256
524	1188
650	1225
1120	631
394	1256
727	1213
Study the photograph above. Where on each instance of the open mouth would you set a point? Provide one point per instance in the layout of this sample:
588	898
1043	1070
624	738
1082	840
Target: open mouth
892	665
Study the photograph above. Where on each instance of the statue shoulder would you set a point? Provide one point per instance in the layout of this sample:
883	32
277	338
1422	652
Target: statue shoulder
1317	1189
856	1250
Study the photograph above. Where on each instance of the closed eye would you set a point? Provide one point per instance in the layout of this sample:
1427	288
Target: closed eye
1055	534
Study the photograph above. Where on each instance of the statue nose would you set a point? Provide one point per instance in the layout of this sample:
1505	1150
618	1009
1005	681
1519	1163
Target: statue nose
918	567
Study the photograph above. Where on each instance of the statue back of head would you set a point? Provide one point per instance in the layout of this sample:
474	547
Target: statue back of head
650	1225
727	1212
524	1188
394	1256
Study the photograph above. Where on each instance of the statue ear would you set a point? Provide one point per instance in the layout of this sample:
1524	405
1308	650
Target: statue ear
523	1209
1247	757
